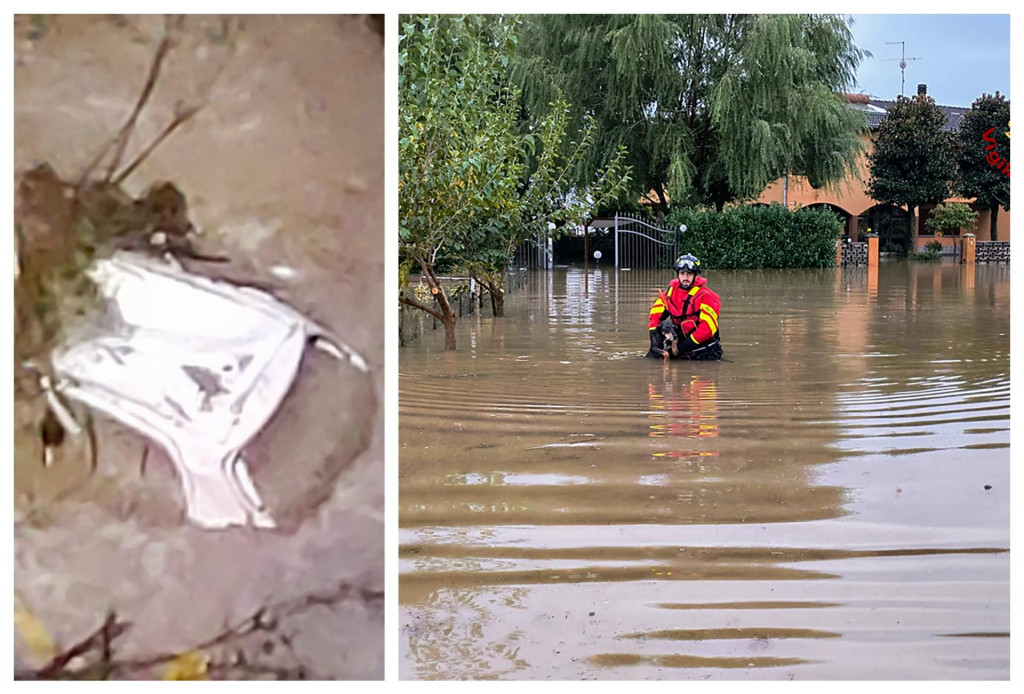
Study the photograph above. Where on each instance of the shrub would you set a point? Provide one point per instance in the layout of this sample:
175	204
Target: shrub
951	217
759	236
932	253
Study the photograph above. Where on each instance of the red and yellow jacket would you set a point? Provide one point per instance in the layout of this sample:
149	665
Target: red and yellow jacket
694	311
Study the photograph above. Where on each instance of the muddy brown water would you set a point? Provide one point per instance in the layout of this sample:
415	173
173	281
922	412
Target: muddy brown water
831	502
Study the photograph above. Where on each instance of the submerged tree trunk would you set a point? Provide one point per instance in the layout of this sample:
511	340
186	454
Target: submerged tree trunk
449	334
497	299
496	288
448	317
993	232
443	312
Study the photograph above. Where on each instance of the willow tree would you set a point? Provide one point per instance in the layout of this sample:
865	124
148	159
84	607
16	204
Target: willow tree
984	130
711	108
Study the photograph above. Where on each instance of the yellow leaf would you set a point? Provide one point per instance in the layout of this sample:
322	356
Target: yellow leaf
191	665
42	646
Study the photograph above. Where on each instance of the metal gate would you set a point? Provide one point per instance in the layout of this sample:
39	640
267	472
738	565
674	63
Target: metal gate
639	244
533	255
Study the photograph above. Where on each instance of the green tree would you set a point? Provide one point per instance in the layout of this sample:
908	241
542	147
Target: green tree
476	177
978	178
912	162
548	199
458	159
951	217
711	108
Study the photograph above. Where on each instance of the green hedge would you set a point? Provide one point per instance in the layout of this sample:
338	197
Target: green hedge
759	237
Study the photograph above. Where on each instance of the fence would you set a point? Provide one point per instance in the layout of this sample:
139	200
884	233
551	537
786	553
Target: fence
465	297
992	252
639	244
853	253
534	255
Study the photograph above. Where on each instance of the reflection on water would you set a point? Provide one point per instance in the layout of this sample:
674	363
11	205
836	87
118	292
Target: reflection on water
684	409
832	501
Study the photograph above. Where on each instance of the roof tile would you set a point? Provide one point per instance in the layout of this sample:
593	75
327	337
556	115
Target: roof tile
954	114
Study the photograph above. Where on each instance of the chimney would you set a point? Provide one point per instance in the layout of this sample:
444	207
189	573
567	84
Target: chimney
922	90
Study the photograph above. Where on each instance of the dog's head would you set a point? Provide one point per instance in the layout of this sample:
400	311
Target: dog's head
667	333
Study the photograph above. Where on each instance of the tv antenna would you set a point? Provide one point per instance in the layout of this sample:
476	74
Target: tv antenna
903	61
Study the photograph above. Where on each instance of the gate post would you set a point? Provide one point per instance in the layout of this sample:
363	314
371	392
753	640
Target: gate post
616	240
872	249
968	249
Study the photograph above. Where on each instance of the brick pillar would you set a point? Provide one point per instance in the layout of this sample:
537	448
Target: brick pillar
872	250
839	252
967	249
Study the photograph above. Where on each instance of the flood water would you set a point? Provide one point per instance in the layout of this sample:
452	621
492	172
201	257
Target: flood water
829	502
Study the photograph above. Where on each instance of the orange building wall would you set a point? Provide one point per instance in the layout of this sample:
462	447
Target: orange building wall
1002	225
851	197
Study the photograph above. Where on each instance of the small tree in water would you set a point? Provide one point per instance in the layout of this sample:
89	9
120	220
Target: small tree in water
951	217
469	192
455	145
547	199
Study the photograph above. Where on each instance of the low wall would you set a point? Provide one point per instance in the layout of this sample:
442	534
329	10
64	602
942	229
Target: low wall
992	252
950	244
854	253
412	321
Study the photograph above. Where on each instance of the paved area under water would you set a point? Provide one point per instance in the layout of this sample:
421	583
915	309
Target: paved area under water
830	502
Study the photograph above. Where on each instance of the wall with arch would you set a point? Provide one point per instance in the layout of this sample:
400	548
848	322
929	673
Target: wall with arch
850	196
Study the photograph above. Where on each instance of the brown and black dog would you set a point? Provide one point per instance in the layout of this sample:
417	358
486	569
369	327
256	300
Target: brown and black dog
665	343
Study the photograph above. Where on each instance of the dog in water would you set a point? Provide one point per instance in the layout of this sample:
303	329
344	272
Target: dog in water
666	341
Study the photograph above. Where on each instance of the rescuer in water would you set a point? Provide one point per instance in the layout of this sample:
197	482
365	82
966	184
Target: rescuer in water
693	308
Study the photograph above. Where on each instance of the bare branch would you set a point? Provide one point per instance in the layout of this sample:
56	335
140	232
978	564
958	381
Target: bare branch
166	43
102	637
403	299
183	115
264	619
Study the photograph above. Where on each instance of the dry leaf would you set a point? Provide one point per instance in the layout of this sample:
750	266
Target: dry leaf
191	665
41	644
